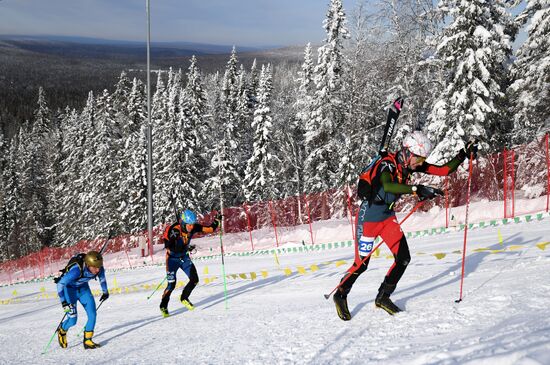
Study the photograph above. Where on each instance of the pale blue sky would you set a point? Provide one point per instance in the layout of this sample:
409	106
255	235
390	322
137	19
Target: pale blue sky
242	22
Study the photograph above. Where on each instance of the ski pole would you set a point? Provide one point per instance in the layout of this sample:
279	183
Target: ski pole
56	329
350	273
223	263
470	164
97	308
157	288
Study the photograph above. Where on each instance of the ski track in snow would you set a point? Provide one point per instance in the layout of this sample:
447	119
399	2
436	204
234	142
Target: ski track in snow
503	319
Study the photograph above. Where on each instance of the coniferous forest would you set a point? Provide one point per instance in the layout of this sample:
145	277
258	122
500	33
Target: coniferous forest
266	131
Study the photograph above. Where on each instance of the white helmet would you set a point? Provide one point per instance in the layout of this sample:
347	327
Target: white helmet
417	143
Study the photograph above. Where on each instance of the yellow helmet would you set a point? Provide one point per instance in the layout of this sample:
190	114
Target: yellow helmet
94	259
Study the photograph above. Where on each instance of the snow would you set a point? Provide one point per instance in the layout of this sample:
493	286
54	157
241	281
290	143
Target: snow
284	319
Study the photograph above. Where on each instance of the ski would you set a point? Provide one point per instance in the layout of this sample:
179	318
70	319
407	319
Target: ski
393	113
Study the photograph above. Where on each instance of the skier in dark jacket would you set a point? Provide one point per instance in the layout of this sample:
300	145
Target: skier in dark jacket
389	180
177	239
73	286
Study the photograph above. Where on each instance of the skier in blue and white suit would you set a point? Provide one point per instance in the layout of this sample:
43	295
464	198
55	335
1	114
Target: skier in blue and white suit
73	286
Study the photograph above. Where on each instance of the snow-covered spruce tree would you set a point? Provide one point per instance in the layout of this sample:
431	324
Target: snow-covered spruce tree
104	171
121	95
133	210
531	72
11	209
475	50
324	128
70	184
163	158
258	182
291	136
193	131
6	223
228	148
36	178
245	115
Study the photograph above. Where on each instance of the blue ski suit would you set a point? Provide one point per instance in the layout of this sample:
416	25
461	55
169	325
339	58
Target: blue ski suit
72	287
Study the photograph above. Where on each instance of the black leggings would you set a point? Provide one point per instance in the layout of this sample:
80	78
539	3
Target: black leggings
193	281
402	259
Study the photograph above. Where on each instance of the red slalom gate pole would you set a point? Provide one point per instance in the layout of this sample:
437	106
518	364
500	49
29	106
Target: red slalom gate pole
466	226
547	174
446	201
370	253
274	223
309	219
249	225
513	183
504	179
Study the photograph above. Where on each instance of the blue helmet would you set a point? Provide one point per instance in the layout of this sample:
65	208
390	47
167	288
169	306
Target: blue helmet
188	217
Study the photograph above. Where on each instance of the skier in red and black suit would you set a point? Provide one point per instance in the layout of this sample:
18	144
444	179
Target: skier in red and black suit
388	181
177	241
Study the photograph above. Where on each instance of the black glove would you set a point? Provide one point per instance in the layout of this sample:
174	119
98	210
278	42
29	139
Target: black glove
428	192
470	149
217	221
191	248
104	296
67	307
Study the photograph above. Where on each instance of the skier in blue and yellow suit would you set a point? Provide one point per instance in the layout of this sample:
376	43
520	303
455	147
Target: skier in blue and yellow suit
73	286
177	238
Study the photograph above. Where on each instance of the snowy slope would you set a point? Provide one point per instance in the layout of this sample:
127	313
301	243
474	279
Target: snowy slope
503	319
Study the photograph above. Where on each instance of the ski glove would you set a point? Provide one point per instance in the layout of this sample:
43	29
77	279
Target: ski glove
68	307
428	192
217	221
470	149
104	296
191	248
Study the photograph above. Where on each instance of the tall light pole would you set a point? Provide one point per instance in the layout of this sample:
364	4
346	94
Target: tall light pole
149	137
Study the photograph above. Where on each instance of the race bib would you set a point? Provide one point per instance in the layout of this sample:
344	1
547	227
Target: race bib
365	245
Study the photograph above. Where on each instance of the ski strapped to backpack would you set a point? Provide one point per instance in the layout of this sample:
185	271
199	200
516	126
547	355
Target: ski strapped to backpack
365	186
78	259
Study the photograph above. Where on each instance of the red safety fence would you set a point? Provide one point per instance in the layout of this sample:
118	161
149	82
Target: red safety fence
522	172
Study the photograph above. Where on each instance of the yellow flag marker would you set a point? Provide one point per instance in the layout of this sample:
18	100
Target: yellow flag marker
287	271
42	289
340	263
301	270
205	272
242	276
481	249
14	293
497	251
440	255
541	245
115	285
264	274
500	240
314	268
376	252
253	276
514	247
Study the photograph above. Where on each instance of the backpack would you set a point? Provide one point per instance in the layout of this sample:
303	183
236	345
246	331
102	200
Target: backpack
367	178
75	260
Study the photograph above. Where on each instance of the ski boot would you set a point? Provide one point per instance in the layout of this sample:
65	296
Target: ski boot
341	302
62	337
187	303
164	312
88	343
383	299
